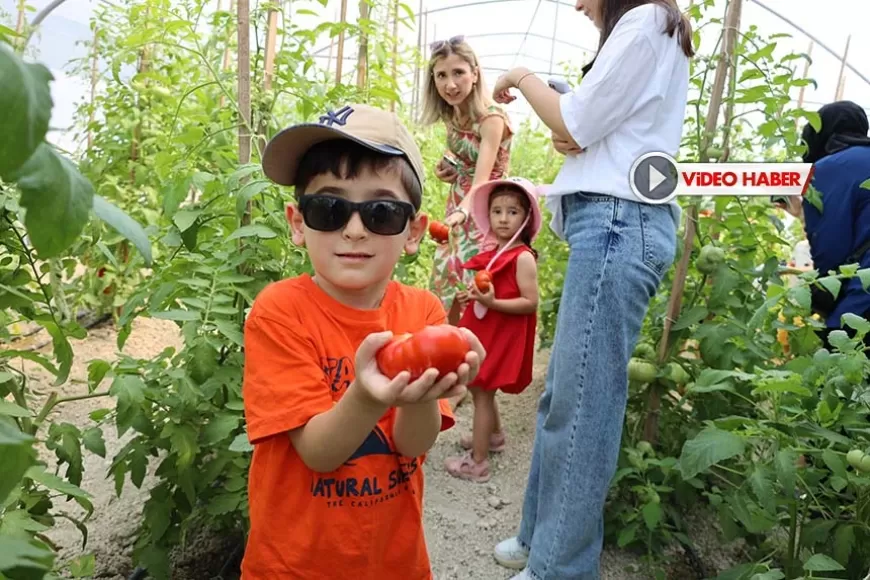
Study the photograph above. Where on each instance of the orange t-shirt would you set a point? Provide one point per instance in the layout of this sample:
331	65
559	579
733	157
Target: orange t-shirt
363	520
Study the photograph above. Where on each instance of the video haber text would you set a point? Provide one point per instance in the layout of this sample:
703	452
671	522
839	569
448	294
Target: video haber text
742	178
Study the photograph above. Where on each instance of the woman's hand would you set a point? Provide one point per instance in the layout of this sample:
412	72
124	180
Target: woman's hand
457	218
445	172
506	82
565	146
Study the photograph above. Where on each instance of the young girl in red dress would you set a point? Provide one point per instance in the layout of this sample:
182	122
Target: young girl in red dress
504	316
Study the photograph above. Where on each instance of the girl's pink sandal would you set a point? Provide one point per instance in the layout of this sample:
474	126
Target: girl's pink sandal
464	467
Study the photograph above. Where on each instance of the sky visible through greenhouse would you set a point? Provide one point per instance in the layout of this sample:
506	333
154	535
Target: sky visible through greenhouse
506	33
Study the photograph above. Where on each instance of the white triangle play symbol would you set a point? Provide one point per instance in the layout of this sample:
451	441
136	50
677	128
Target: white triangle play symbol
655	178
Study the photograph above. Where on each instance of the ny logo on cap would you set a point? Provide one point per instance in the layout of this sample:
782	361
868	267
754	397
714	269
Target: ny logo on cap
336	117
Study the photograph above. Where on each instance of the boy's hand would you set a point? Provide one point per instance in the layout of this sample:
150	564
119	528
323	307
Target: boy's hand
400	390
462	298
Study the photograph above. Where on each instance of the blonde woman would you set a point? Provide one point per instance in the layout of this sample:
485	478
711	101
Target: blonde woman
478	150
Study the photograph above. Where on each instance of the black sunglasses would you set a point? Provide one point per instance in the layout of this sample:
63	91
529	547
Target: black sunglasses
439	44
328	213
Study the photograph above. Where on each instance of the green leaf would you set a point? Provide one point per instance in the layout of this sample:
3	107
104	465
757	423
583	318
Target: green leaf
176	315
185	218
864	276
693	316
16	552
859	323
124	225
58	200
835	463
97	370
822	563
832	284
775	574
63	351
791	383
709	447
652	515
82	566
10	409
16	456
844	542
258	230
231	331
184	444
866	184
38	474
762	487
93	441
241	444
25	102
218	428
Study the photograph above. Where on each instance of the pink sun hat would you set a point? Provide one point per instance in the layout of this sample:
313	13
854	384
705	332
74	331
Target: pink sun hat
480	205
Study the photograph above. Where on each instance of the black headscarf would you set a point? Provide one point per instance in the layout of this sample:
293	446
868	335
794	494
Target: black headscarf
844	124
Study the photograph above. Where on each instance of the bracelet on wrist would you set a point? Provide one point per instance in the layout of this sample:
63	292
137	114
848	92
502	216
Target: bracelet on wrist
523	78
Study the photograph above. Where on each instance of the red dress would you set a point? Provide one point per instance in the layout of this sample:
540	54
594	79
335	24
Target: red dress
509	339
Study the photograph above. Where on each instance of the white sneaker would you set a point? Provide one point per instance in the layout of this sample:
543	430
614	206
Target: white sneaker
524	575
511	554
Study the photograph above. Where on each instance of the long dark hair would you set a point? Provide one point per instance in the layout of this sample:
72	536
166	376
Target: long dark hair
613	10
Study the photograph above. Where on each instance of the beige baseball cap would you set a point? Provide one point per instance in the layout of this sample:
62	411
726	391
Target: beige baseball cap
374	128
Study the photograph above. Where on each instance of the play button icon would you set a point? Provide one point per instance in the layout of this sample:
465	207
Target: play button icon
654	177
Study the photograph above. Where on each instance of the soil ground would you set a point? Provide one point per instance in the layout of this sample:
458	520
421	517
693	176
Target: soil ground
463	520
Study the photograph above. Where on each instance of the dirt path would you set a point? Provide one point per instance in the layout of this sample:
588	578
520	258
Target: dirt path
463	520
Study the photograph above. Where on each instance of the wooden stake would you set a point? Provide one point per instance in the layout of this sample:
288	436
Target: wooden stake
395	47
732	26
362	58
226	62
415	93
94	61
806	74
842	79
244	87
340	60
269	63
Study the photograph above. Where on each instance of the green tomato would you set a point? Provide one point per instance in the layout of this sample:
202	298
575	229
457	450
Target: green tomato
645	351
865	464
709	259
645	447
677	373
641	371
854	458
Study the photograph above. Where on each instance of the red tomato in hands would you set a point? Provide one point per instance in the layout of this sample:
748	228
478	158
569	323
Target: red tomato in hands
442	347
483	281
439	232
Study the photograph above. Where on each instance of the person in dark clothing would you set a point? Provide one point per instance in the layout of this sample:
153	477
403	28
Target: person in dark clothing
839	232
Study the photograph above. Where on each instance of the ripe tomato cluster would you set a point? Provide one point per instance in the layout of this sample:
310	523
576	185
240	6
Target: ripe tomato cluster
442	347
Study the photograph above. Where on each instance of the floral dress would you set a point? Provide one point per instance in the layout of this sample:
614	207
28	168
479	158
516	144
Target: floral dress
464	144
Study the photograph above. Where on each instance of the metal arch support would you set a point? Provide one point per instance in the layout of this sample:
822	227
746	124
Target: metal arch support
811	37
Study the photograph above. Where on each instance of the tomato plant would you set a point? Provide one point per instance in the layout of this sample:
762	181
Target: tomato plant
443	347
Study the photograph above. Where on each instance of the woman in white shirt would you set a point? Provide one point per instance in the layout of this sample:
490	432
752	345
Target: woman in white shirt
631	101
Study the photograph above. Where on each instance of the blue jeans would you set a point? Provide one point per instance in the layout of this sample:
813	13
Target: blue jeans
619	253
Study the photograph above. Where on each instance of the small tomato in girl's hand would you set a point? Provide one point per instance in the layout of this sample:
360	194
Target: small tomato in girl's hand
439	231
483	281
442	347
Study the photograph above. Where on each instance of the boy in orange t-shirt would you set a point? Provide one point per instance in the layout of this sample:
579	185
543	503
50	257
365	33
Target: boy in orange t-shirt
335	486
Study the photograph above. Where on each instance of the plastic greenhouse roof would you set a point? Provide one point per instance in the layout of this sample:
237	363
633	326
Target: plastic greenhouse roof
506	33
